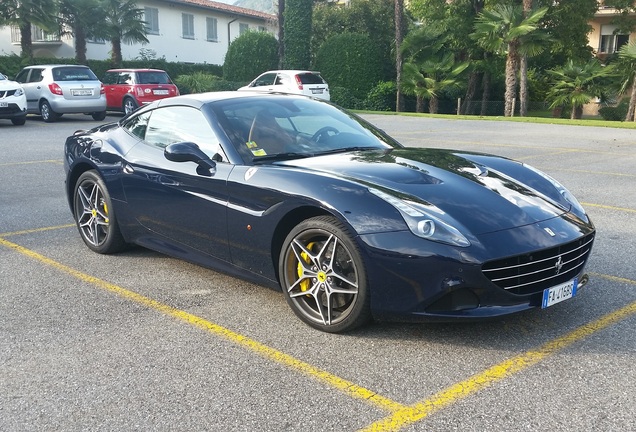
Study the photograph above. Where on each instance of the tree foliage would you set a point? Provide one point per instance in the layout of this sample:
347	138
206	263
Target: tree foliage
24	13
350	61
123	22
297	34
249	55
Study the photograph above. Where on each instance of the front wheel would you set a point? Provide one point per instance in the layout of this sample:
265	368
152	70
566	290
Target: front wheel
323	277
94	215
18	121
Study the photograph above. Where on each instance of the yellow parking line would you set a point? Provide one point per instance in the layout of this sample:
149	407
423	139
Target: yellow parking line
461	390
597	172
35	230
609	207
325	377
57	161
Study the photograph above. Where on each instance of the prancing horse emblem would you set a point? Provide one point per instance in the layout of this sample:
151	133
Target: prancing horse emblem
559	265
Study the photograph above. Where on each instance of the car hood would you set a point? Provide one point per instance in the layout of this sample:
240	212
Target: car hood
484	193
8	85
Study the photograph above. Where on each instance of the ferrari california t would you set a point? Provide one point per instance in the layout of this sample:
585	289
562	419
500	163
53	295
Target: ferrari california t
297	194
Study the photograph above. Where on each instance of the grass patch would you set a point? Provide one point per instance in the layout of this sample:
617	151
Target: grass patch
544	120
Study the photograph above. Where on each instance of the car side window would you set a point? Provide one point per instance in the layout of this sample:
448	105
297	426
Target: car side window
36	75
109	78
173	124
22	76
265	80
124	78
137	125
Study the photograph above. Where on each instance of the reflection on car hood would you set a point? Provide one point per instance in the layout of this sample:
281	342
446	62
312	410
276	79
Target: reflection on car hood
484	193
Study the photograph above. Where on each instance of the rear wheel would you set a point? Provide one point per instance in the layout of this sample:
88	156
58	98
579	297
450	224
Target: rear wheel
323	277
48	115
129	105
94	215
99	116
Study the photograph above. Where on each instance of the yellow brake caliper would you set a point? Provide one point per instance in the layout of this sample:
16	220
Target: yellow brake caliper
304	284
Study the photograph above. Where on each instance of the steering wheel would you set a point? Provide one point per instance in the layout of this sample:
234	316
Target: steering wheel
324	132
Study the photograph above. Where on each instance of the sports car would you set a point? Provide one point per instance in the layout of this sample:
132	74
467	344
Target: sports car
299	195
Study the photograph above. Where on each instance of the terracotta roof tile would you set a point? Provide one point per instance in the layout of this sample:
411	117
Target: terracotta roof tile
230	9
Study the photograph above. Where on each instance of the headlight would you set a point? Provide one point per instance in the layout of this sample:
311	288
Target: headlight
566	194
422	222
19	91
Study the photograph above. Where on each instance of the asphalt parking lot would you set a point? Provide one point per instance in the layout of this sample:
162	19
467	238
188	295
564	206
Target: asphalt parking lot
140	341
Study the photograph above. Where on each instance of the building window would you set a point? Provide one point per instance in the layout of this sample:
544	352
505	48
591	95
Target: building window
151	16
610	41
211	26
188	25
243	28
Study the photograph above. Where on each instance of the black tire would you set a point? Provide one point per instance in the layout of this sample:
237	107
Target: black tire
18	121
323	276
99	116
129	105
94	215
48	115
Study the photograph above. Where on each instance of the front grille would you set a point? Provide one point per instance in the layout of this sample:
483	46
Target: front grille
536	271
6	93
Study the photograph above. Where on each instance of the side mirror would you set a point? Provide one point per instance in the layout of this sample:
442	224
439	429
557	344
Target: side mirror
190	152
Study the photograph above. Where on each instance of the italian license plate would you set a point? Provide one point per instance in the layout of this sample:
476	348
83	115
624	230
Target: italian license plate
160	92
82	92
4	104
559	293
316	91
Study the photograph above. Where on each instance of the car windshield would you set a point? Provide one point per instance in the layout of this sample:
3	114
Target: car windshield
2	77
264	128
153	78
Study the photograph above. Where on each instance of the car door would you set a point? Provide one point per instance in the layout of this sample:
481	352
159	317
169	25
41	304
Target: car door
31	80
183	208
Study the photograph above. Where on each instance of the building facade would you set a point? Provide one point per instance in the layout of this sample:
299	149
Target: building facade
188	31
605	38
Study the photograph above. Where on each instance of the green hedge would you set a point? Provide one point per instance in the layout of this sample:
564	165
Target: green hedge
250	55
11	65
350	61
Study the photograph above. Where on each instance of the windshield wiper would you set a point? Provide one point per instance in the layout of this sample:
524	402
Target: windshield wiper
347	149
282	156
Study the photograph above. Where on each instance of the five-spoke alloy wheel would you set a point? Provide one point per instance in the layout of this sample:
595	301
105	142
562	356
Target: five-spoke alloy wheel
94	215
323	276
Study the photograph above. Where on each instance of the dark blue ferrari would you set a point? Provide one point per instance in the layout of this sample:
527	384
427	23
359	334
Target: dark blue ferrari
297	194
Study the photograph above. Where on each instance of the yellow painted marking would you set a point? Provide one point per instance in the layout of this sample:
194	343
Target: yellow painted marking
35	230
31	162
338	383
609	207
547	154
496	373
598	172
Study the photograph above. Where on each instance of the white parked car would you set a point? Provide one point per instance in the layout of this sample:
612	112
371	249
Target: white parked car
13	102
307	83
53	90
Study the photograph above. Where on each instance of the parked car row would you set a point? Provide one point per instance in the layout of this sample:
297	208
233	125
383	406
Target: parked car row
54	90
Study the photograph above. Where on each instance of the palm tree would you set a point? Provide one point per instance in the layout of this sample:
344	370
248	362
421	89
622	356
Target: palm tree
24	13
428	78
81	17
577	84
503	30
123	22
627	56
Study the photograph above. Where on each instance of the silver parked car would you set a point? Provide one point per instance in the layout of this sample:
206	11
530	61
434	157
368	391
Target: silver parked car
12	101
53	90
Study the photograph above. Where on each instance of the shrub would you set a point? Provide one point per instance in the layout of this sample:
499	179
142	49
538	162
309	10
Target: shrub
344	97
249	55
351	61
381	97
614	113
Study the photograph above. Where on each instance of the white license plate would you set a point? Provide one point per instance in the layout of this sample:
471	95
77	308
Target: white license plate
161	92
84	92
316	91
4	104
559	293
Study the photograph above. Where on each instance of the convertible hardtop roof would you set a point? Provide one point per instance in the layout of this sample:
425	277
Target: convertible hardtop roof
203	98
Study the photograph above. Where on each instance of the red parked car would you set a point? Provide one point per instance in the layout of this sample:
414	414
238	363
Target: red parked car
128	89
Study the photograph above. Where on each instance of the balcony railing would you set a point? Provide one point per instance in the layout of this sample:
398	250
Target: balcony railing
38	35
